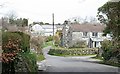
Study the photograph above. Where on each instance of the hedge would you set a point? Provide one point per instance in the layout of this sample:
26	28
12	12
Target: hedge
16	56
73	52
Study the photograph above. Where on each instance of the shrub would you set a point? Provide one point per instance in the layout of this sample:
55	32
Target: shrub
49	38
25	41
57	40
64	52
37	43
110	53
107	49
29	61
16	56
79	44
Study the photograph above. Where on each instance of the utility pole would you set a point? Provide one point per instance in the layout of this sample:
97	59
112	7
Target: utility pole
53	27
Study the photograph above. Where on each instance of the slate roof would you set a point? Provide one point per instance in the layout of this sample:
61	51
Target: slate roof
87	27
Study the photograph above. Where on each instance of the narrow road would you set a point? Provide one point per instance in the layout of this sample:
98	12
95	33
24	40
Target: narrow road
74	64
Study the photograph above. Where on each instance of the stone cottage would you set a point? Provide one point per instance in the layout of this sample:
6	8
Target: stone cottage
91	34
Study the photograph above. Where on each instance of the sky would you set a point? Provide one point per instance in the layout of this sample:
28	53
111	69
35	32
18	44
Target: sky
41	10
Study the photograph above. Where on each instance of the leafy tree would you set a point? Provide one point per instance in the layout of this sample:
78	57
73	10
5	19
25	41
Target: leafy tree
111	17
46	23
25	22
41	23
12	15
109	14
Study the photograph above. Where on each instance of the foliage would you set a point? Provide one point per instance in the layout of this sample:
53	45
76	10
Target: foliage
57	40
49	38
73	52
19	22
16	53
109	14
110	55
25	39
37	43
79	44
40	57
10	46
111	17
30	61
50	43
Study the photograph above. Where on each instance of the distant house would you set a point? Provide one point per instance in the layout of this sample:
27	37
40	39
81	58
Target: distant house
37	30
59	27
48	30
92	34
44	30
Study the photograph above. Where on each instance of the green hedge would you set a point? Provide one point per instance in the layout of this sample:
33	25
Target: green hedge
30	61
24	61
24	43
73	52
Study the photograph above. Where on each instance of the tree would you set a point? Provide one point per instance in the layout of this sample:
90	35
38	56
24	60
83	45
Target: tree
109	14
111	17
25	22
41	23
12	15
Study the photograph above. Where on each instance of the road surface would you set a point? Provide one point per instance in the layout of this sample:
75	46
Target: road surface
74	64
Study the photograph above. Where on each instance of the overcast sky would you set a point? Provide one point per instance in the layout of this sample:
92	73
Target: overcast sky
41	10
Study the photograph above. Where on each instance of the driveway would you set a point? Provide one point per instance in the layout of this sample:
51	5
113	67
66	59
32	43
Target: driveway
74	64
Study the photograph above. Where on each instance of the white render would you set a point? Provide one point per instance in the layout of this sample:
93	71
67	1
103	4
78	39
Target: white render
44	30
71	36
98	39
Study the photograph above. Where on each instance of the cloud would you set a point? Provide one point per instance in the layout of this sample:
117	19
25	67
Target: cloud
41	10
114	0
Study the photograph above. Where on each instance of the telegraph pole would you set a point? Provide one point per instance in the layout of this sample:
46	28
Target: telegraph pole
53	27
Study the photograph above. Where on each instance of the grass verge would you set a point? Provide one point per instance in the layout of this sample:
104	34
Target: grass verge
40	57
105	63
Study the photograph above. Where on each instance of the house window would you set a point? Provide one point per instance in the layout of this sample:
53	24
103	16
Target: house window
84	33
94	34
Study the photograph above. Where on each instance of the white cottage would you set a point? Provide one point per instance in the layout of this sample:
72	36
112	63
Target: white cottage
37	30
48	30
92	34
43	30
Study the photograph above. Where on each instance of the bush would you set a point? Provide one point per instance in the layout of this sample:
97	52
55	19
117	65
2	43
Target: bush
79	44
22	39
37	43
49	38
25	41
16	55
64	52
30	62
57	40
110	53
107	49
